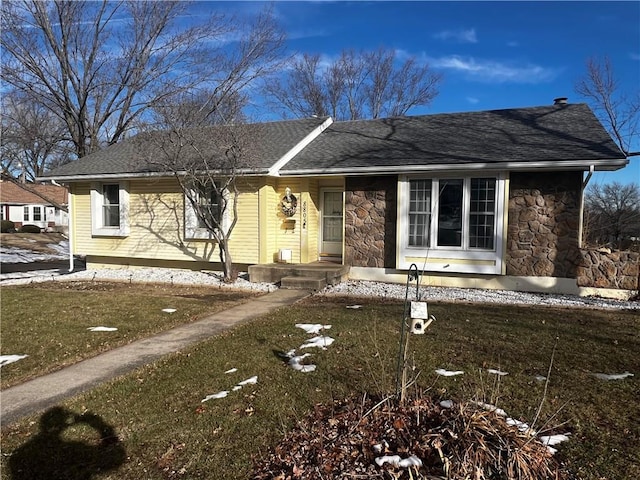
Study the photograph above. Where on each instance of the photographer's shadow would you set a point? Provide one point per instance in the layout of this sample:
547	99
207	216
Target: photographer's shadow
54	453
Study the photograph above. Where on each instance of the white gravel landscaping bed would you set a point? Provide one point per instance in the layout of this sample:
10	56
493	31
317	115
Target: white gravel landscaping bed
472	295
362	289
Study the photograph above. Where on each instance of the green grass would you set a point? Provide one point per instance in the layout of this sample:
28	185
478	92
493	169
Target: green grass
168	433
49	321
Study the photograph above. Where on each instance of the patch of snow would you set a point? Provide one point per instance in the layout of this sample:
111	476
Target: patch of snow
354	307
231	370
21	255
312	328
522	426
7	359
491	408
169	310
221	394
102	329
295	362
448	373
549	440
615	376
320	342
497	372
396	461
236	388
62	248
553	439
248	381
540	378
446	403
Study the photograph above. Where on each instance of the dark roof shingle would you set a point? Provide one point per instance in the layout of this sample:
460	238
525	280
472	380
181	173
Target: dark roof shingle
551	133
144	153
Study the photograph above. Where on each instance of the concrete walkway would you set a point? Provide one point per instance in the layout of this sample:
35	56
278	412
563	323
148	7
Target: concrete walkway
46	391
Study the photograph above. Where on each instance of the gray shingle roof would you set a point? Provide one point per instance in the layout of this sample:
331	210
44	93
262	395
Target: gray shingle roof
556	134
145	153
560	133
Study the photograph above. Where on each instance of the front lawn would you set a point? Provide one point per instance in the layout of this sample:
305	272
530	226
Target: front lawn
165	431
49	322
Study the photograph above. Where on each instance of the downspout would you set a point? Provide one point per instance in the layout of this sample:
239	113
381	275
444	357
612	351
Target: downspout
69	225
585	182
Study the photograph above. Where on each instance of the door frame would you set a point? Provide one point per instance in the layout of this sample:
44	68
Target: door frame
321	252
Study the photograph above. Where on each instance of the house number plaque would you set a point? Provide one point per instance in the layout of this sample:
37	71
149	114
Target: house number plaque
304	215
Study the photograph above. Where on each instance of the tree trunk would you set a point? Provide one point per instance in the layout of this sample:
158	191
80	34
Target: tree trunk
229	275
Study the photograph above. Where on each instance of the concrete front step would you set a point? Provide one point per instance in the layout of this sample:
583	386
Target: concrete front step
302	283
275	272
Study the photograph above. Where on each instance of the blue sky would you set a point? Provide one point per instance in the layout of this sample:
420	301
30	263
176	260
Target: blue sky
492	54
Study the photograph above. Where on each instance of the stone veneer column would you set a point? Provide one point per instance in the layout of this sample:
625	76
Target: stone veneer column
370	221
544	213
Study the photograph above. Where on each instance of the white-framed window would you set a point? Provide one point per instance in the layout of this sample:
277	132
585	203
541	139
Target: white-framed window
452	222
211	207
37	213
110	209
25	214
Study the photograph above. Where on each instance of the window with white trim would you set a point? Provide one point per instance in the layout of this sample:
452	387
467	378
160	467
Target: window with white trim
110	209
482	213
209	209
419	213
37	214
463	213
25	215
452	222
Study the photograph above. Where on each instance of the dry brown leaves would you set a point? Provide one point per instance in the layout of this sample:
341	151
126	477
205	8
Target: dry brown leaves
342	440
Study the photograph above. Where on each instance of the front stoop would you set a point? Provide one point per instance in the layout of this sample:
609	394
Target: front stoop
311	276
303	283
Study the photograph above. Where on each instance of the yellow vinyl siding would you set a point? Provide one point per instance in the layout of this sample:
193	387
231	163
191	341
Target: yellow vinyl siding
269	221
313	220
156	214
288	228
245	238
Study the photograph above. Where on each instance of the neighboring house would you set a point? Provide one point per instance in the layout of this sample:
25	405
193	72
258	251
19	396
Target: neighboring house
490	199
34	204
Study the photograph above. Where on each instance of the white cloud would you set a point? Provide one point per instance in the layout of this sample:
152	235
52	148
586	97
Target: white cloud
495	71
460	36
513	44
473	100
635	56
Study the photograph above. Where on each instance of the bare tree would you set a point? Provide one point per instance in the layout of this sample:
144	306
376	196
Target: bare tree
100	66
207	162
357	85
617	110
32	139
612	213
200	109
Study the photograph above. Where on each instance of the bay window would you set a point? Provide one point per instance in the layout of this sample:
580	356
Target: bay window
451	222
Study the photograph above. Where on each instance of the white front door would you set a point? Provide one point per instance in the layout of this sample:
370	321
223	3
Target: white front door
331	224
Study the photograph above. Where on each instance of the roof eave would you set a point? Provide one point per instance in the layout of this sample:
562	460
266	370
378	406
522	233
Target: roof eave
601	165
129	176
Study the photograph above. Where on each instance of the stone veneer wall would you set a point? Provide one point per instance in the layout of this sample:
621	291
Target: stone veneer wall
606	269
370	221
544	213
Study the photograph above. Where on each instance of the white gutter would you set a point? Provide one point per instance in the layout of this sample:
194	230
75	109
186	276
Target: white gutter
127	176
274	171
556	165
586	180
69	225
